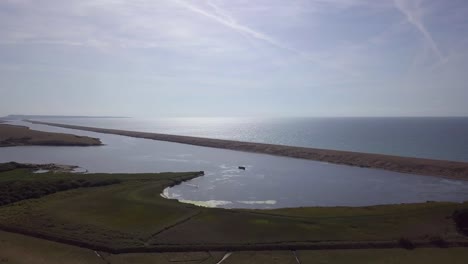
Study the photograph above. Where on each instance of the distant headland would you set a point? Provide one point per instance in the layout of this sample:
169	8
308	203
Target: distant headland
20	117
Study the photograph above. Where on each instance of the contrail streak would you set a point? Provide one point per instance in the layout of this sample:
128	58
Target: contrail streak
412	12
231	23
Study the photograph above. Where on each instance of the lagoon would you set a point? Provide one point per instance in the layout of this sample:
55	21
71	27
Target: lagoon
267	182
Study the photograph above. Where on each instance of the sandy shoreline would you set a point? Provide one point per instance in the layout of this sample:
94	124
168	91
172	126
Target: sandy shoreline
11	135
428	167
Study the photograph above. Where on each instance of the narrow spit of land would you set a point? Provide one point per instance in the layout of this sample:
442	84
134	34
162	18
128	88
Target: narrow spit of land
11	135
428	167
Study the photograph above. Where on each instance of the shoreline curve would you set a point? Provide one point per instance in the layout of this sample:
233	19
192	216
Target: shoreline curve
427	167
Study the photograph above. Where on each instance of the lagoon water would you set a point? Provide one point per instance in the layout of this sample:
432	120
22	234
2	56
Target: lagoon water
268	181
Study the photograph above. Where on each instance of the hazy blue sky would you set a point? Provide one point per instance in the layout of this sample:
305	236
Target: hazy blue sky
234	58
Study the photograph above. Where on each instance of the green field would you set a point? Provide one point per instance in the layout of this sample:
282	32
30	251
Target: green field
125	213
361	256
19	249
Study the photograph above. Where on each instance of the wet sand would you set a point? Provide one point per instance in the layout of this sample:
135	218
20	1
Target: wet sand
428	167
11	135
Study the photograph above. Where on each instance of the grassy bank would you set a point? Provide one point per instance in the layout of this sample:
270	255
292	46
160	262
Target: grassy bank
447	169
11	135
131	216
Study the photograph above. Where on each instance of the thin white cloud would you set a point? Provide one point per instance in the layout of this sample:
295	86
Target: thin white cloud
220	16
221	12
223	19
413	13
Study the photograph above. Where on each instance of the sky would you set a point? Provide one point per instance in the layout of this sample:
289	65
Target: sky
167	58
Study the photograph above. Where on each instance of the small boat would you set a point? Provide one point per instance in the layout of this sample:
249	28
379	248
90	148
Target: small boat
241	168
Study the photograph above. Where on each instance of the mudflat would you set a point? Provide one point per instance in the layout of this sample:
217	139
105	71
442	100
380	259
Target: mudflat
420	166
11	135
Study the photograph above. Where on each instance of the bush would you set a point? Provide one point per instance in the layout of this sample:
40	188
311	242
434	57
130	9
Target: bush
8	166
439	242
406	243
461	220
14	191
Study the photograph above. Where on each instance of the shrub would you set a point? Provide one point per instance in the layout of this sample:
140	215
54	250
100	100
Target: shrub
439	242
406	243
8	166
14	191
461	220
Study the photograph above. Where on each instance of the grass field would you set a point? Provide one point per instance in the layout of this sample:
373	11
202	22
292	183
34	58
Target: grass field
19	249
126	213
129	215
361	256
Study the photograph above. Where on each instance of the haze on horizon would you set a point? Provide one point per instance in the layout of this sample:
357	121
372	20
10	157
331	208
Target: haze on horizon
234	58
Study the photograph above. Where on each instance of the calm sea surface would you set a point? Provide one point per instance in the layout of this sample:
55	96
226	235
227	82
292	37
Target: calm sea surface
437	138
268	182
